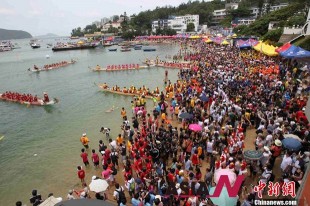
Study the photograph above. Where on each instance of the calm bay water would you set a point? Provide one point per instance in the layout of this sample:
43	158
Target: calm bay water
53	132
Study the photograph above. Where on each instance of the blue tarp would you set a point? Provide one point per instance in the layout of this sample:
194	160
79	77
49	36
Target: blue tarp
295	52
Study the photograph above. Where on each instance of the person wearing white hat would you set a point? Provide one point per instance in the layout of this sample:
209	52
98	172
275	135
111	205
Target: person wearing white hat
276	150
84	140
265	158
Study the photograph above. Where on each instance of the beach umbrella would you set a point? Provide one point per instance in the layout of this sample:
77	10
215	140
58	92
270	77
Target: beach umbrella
84	202
252	154
203	97
292	136
231	175
291	144
225	42
209	41
223	199
186	115
51	201
98	185
195	127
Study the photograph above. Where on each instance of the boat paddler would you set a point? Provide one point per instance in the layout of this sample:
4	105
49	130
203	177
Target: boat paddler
45	97
97	67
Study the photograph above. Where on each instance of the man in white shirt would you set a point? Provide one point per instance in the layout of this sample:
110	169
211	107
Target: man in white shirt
113	144
286	161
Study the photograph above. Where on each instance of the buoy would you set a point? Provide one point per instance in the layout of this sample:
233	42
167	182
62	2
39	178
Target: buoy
47	56
35	155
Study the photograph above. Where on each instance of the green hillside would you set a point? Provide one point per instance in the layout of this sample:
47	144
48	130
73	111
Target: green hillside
260	26
13	34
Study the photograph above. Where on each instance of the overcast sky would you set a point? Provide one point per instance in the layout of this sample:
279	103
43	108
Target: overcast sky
40	17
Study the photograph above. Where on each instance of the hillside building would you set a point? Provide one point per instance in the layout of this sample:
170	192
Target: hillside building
219	15
177	23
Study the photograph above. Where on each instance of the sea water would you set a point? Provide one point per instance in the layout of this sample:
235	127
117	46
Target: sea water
41	145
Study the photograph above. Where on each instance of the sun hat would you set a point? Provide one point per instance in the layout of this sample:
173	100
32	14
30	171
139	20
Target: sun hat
84	134
158	197
177	185
94	177
102	152
70	192
266	148
278	142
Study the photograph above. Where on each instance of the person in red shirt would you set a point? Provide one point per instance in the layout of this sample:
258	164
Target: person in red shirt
195	158
95	158
171	175
84	156
138	164
81	174
198	174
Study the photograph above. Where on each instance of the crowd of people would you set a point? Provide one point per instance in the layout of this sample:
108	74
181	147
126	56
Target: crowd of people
227	93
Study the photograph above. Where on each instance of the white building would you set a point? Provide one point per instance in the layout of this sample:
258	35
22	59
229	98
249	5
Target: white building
255	10
116	25
178	23
218	15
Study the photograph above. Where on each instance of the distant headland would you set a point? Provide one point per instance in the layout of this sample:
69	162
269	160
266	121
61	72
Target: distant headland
13	34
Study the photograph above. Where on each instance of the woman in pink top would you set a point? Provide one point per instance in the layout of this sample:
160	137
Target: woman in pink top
106	173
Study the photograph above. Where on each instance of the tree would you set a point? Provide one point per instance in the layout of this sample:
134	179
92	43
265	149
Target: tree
115	18
260	7
296	20
190	27
77	32
240	12
273	35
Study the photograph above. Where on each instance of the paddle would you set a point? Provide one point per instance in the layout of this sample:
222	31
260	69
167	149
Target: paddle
1	137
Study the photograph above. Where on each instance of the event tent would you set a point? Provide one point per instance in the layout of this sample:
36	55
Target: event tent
264	48
295	52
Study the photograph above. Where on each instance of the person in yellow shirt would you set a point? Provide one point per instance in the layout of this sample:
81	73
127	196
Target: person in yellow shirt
192	103
84	139
119	139
163	116
123	113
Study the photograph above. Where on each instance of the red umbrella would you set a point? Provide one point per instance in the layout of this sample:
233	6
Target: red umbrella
195	127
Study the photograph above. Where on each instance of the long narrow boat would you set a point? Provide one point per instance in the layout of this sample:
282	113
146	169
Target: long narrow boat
149	49
112	50
120	69
51	68
40	101
173	66
125	93
125	50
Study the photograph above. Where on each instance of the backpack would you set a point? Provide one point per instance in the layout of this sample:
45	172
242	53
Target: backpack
121	196
114	157
132	187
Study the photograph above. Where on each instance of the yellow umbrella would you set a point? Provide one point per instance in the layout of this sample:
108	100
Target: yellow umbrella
80	42
194	37
225	42
208	41
234	35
